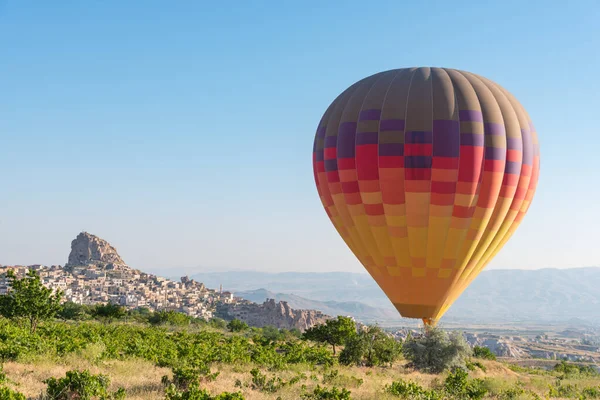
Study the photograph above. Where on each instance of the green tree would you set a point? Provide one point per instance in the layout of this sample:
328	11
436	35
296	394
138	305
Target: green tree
371	347
335	332
73	311
483	352
235	325
108	312
29	299
169	318
218	323
435	350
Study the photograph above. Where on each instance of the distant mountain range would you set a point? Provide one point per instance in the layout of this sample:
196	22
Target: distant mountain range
496	296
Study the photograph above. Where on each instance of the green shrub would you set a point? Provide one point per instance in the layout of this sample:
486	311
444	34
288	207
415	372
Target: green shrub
186	376
473	365
457	384
412	391
573	370
81	385
194	392
8	394
334	377
483	352
435	350
559	389
591	393
261	383
321	393
235	325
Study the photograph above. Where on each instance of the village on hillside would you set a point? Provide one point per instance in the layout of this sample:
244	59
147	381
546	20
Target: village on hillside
95	273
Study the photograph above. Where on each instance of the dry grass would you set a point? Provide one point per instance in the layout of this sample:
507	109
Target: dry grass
142	380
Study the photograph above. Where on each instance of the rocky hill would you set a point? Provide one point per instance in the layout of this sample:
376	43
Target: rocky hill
361	311
274	313
88	249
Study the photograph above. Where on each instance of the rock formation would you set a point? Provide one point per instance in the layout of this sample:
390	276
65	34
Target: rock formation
88	249
277	314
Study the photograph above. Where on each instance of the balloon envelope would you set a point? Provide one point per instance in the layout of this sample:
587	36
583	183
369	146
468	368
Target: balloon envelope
425	173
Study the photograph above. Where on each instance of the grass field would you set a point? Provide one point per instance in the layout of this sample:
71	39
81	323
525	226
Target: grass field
141	379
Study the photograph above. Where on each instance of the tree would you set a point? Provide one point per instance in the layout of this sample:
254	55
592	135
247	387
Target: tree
73	311
483	352
29	299
218	323
235	325
335	331
371	347
169	318
108	312
435	350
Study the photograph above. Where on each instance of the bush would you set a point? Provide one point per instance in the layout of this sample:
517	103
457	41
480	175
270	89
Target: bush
435	350
194	392
261	383
320	393
573	370
412	391
81	385
484	353
334	377
236	325
8	394
458	385
185	377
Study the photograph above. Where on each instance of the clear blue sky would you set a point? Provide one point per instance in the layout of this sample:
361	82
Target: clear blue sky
181	131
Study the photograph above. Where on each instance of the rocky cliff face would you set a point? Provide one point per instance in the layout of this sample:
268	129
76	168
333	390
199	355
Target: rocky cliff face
88	249
277	314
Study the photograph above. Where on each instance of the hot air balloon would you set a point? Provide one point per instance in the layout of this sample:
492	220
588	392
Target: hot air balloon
425	173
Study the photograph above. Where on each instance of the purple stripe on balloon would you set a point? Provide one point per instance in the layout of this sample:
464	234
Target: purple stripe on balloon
470	115
330	141
347	127
514	143
321	131
512	167
391	149
471	139
417	162
495	153
369	115
391	125
492	128
346	139
331	165
418	137
319	155
527	147
446	138
367	138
